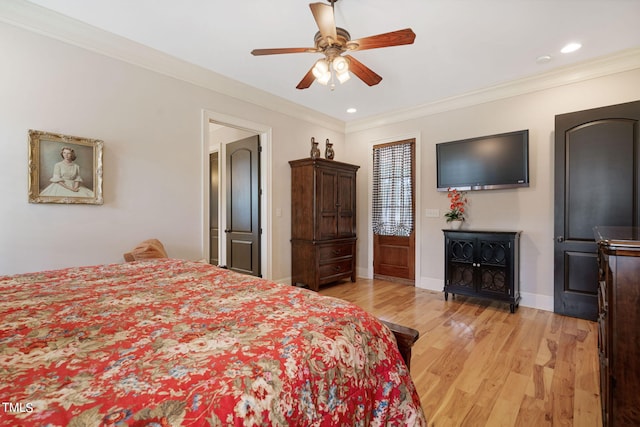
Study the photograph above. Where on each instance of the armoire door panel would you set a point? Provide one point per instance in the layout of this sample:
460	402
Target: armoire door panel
346	202
328	204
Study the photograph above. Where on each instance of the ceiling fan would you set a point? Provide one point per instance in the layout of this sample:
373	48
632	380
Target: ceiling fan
333	42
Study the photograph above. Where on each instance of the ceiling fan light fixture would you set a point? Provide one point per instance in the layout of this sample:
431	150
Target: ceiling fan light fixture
340	65
343	77
321	72
324	79
321	69
333	41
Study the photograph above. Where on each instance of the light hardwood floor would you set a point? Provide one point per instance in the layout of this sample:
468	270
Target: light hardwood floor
476	364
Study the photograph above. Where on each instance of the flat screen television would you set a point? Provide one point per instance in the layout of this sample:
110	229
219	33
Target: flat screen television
484	163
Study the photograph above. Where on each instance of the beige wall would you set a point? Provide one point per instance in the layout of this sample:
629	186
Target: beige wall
527	209
156	146
154	154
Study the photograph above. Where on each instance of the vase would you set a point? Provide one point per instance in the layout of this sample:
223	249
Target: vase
315	151
455	224
329	153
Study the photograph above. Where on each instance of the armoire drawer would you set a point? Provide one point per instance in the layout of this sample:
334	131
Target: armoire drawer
339	250
339	268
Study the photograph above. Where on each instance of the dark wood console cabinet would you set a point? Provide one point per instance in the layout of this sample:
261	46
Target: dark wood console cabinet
483	264
323	222
618	324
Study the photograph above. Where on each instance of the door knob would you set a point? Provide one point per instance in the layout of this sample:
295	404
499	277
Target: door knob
560	239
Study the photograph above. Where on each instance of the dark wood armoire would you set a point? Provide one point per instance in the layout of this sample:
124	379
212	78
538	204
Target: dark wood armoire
323	222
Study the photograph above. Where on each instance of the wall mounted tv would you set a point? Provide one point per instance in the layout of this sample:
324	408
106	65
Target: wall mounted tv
484	163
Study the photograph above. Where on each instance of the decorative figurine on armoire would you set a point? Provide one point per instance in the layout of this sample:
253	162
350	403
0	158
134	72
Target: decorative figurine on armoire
328	152
315	151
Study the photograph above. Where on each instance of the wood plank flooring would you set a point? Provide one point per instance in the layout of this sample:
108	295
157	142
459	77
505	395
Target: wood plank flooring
476	364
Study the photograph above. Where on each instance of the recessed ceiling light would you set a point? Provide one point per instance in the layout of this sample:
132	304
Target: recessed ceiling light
571	47
543	59
351	110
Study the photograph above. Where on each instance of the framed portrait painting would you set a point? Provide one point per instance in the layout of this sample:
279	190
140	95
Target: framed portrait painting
64	169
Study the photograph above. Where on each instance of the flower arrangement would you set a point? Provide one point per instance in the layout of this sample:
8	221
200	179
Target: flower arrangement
456	208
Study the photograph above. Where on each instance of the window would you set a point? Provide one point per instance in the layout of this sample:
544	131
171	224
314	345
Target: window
393	189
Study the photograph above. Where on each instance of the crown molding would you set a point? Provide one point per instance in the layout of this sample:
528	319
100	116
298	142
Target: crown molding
37	19
612	64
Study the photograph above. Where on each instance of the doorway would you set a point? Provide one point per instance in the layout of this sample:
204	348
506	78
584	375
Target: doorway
597	183
393	212
218	131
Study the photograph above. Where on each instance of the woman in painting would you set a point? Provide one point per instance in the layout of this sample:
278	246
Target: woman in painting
66	180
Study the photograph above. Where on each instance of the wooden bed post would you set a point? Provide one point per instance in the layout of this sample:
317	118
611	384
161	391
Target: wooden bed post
405	337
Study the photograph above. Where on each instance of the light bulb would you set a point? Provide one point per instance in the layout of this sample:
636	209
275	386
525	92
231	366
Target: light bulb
340	64
324	79
320	69
344	76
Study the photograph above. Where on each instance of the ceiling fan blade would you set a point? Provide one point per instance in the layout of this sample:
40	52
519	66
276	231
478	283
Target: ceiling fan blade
257	52
323	14
394	38
306	80
363	72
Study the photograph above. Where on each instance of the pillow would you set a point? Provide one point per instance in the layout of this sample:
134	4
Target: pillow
149	249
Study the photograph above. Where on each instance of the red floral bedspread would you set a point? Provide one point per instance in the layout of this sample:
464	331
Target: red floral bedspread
177	343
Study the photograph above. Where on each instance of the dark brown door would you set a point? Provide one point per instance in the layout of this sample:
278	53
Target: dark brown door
596	183
243	206
214	222
394	256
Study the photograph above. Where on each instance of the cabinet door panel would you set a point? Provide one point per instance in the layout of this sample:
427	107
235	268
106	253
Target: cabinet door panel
494	253
460	265
460	250
461	275
346	204
327	204
493	259
493	280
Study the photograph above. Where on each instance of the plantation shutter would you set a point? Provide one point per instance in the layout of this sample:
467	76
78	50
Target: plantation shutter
392	193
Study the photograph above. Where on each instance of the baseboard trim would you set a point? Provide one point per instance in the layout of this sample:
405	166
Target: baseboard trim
537	301
531	300
408	282
283	281
541	302
364	273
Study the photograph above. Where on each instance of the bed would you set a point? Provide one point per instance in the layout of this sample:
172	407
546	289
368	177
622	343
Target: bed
176	343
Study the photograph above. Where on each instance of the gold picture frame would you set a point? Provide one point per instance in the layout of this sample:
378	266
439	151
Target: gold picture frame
64	169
